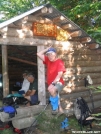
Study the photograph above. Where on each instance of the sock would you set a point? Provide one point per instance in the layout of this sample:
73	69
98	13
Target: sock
54	102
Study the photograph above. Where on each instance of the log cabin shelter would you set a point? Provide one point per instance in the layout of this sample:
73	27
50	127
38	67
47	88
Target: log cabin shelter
23	36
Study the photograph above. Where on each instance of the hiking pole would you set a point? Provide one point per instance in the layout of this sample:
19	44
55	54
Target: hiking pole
91	97
37	117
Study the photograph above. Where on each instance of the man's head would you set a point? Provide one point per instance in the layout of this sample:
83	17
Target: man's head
24	74
51	53
30	77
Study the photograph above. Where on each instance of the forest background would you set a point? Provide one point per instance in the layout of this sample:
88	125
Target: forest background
85	13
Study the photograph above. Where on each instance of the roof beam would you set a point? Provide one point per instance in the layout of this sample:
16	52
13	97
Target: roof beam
23	61
29	41
92	45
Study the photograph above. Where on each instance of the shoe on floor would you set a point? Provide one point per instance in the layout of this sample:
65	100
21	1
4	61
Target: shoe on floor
54	112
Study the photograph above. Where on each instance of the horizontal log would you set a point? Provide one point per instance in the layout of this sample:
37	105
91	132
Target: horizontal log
58	19
92	45
82	39
69	99
72	89
76	46
83	63
68	109
28	21
72	49
20	33
20	60
79	70
85	39
73	58
22	112
79	77
27	32
68	26
29	41
85	51
78	83
75	33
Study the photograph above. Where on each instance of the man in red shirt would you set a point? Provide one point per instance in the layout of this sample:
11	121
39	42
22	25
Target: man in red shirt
55	70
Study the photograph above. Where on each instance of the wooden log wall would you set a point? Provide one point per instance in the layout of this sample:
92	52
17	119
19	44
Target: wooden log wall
79	62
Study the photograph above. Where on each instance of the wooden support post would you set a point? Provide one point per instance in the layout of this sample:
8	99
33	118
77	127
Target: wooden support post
41	79
5	71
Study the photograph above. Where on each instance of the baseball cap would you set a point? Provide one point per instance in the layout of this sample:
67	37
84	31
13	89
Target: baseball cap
50	50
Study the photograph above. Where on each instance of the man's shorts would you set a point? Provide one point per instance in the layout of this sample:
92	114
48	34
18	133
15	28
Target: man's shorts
59	86
21	92
34	99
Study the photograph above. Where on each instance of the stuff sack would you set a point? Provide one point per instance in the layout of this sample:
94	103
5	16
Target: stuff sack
82	112
10	110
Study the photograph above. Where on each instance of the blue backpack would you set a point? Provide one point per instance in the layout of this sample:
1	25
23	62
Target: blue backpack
10	110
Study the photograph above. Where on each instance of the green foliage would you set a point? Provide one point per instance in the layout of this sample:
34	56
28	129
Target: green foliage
11	8
7	131
96	89
79	11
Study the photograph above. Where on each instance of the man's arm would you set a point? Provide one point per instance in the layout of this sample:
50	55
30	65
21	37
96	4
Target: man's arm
27	93
30	92
41	53
58	77
25	85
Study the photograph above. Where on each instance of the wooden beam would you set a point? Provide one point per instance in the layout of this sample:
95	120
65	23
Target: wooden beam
79	39
29	41
16	32
92	45
67	26
41	79
5	71
58	19
75	33
79	70
20	60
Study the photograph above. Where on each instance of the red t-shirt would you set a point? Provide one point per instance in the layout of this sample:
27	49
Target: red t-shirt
53	68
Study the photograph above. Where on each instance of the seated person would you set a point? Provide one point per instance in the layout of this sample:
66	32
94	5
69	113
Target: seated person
25	84
32	93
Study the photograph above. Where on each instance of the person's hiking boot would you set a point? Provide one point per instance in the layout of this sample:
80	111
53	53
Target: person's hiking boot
54	112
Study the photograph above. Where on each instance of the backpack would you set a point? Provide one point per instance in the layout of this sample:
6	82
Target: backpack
14	99
82	112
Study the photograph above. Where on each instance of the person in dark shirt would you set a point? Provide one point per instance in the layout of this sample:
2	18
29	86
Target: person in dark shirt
32	93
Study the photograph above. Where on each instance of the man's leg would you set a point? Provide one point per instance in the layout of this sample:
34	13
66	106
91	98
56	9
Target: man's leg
60	107
54	91
28	98
59	87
